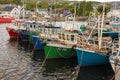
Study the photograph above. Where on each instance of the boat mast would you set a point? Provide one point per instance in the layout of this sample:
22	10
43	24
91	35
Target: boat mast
23	9
119	39
100	36
51	6
74	16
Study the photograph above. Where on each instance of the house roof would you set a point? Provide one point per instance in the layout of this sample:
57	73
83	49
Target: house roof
41	9
8	8
59	10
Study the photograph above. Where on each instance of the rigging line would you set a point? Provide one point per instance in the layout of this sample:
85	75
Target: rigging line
91	32
93	29
83	35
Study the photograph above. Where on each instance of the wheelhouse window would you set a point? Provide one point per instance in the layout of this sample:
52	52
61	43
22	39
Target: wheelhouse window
63	36
30	26
68	37
34	26
72	37
53	31
59	35
44	31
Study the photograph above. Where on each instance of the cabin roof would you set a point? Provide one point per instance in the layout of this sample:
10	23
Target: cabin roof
30	22
68	32
50	27
8	8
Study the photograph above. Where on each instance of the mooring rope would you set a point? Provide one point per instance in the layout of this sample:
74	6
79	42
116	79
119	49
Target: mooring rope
34	47
77	69
64	56
115	63
39	70
17	40
17	31
115	74
30	40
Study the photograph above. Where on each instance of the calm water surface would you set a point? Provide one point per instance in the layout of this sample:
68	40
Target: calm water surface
17	64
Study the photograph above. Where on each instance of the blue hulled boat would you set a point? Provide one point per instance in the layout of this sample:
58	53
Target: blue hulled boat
90	54
23	35
45	35
113	35
89	58
94	50
37	42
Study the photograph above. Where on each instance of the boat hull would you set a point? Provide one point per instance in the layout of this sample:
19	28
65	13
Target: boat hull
37	42
12	33
29	33
91	58
113	35
52	52
115	67
6	20
23	35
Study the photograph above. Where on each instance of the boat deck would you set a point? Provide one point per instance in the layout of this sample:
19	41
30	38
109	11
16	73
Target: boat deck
61	43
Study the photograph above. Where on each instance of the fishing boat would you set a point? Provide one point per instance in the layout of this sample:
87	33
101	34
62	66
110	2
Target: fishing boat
46	32
115	63
13	29
63	47
45	35
115	57
94	50
113	25
89	54
6	20
29	29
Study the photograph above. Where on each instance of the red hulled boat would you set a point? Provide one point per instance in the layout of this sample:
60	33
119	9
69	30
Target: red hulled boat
6	20
13	33
13	29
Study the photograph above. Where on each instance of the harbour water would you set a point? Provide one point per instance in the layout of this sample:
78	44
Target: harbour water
17	63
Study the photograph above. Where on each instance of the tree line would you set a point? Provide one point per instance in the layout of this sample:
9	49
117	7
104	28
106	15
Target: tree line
83	8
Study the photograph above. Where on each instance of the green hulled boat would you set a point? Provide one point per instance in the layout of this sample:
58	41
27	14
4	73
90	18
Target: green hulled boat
57	51
63	47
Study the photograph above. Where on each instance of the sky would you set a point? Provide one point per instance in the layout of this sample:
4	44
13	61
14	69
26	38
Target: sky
97	0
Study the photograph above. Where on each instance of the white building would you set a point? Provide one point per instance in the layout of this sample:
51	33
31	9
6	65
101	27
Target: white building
10	12
114	12
42	11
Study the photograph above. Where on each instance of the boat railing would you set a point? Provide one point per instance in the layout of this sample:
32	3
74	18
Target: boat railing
115	45
92	44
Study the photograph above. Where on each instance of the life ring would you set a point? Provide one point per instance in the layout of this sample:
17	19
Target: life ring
44	43
74	47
